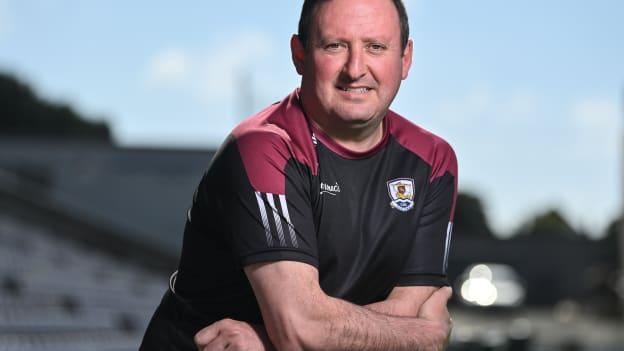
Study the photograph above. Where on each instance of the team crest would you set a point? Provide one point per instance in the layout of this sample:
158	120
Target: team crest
401	193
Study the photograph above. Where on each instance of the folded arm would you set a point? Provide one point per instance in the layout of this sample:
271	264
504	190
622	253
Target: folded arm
298	315
237	335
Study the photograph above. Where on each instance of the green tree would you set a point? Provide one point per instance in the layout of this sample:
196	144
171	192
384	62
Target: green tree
611	240
550	222
470	217
613	230
25	114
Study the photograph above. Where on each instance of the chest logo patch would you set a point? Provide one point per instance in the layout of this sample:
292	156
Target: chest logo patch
401	193
330	189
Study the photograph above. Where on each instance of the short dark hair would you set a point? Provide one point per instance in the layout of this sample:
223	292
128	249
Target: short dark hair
310	6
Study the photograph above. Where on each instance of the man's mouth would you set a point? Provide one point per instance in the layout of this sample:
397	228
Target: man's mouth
355	90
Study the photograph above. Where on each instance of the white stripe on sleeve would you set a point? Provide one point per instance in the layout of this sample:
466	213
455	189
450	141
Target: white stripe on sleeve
277	218
447	245
291	227
265	219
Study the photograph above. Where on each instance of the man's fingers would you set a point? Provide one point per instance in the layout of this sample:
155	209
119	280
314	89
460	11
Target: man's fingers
219	343
434	308
441	296
231	335
206	335
446	292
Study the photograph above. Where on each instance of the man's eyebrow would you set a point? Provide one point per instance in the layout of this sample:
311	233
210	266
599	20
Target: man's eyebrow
326	39
387	38
377	40
330	39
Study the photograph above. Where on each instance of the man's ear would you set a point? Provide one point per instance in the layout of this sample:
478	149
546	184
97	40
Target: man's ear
406	60
298	53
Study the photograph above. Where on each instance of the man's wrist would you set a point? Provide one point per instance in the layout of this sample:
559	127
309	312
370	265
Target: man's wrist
264	337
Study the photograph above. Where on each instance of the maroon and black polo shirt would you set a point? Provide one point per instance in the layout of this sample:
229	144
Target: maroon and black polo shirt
280	189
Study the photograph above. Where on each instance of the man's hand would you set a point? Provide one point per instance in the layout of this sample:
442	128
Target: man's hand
234	336
403	301
435	310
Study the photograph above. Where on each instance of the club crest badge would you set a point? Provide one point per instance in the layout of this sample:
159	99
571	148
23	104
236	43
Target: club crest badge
401	193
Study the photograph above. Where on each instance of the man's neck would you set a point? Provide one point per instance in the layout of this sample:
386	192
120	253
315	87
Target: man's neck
355	137
357	140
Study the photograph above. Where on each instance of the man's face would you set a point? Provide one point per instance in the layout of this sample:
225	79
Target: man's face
354	62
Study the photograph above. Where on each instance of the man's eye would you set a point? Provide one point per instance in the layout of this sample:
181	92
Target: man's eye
333	46
377	47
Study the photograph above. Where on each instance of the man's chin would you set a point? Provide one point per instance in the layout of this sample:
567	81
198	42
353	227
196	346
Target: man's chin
356	119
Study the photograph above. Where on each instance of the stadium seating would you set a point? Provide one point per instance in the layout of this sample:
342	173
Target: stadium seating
60	295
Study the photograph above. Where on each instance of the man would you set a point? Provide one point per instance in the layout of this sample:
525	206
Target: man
324	221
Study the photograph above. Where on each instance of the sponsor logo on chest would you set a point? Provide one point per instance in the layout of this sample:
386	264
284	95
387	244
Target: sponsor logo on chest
330	189
401	191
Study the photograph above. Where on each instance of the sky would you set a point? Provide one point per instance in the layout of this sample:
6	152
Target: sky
529	93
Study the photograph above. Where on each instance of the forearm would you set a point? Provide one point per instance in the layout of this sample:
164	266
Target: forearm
345	326
392	306
263	337
403	301
351	327
389	307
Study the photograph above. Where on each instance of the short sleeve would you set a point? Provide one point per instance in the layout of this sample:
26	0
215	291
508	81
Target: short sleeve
261	195
428	258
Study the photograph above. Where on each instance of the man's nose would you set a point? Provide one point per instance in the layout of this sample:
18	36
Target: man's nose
355	67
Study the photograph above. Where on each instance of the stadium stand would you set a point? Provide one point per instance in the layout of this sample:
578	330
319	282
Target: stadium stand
58	295
89	234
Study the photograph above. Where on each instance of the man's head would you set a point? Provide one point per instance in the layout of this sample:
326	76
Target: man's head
307	14
352	59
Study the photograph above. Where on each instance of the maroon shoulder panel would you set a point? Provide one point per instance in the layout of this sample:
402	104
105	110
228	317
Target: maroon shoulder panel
269	139
434	150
